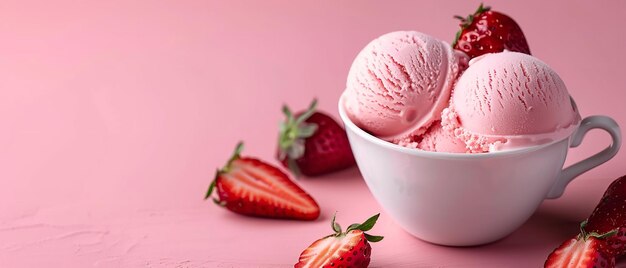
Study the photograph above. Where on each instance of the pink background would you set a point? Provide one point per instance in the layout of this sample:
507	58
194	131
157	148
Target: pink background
115	115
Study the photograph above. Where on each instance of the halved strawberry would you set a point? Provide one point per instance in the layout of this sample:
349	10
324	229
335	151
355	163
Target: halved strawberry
583	250
610	214
341	249
251	187
312	143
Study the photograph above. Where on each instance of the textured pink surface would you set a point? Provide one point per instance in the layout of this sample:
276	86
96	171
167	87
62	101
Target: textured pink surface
116	113
399	84
511	93
510	100
438	139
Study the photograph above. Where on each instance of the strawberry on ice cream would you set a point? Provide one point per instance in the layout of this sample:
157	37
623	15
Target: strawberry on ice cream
487	31
400	82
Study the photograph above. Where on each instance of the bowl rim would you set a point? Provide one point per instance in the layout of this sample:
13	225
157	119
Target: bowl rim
348	124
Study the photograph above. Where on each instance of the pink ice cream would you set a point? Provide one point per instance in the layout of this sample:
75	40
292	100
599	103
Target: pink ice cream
407	88
509	100
441	139
399	84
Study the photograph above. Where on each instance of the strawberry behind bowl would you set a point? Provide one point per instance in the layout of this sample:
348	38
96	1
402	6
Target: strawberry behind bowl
312	143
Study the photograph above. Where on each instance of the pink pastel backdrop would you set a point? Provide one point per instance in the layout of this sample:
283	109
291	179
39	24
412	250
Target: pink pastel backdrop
115	115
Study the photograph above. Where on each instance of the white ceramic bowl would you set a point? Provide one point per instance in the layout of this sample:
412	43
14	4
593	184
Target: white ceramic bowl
469	199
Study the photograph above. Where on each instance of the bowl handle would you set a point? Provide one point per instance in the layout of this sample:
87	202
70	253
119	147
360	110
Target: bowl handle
597	121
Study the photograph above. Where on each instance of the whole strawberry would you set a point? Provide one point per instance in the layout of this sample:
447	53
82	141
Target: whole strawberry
584	250
312	143
610	214
249	186
341	249
488	31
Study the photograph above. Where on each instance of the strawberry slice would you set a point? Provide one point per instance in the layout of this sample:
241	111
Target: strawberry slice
341	249
252	187
312	143
610	214
583	250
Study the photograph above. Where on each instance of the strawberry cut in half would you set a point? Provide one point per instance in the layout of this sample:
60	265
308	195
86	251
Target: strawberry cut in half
341	249
312	143
488	31
610	214
249	186
584	250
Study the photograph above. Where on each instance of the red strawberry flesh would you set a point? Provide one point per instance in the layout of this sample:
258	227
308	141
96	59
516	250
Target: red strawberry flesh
579	253
252	187
251	181
488	31
610	214
349	250
341	249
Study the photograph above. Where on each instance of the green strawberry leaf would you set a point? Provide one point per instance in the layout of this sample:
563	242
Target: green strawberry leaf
218	202
308	113
373	238
288	114
212	185
235	156
336	227
369	223
354	226
307	130
293	166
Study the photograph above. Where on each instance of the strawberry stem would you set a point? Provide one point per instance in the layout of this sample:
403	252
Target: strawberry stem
481	9
583	233
287	113
373	238
605	235
293	132
212	185
291	164
456	38
369	223
467	21
336	227
226	168
365	226
461	18
235	156
310	111
218	202
586	235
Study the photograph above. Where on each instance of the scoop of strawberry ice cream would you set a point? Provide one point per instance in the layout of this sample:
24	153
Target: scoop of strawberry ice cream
509	100
441	139
399	84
